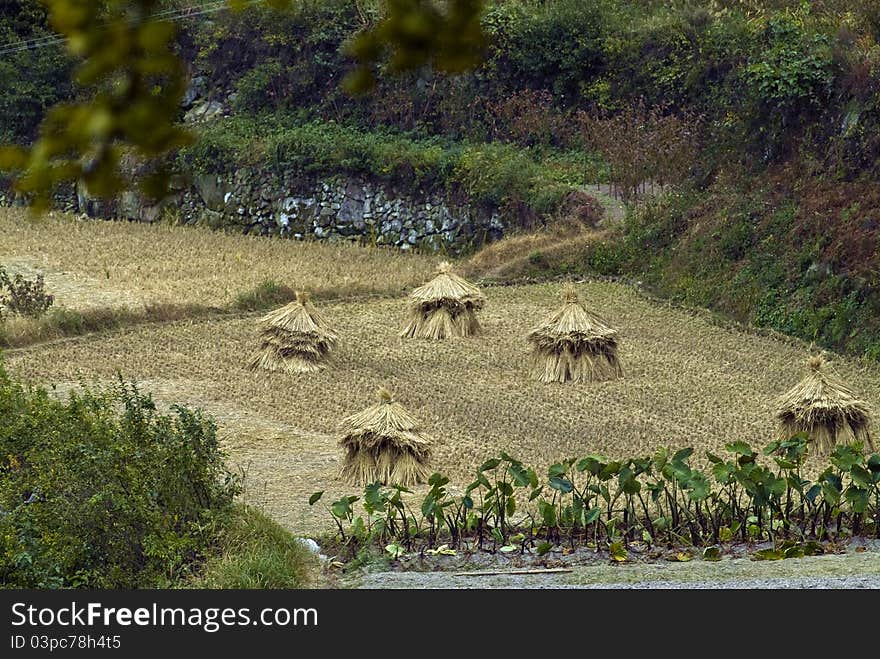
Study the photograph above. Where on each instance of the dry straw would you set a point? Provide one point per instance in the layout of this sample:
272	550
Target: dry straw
383	443
446	306
294	339
824	407
574	344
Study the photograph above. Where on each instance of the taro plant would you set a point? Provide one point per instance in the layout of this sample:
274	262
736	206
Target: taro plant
659	501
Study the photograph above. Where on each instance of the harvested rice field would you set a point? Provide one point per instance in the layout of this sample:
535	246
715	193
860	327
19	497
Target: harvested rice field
88	263
687	382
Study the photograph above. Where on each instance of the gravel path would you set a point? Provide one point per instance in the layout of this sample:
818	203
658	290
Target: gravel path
852	570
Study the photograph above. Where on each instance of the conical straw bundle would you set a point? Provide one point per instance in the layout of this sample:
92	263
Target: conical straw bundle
295	338
383	443
445	306
824	407
574	344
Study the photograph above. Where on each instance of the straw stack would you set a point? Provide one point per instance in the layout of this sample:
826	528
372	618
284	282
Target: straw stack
294	339
574	344
824	407
446	306
383	443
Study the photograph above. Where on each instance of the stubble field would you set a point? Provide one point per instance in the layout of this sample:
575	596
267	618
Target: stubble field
688	382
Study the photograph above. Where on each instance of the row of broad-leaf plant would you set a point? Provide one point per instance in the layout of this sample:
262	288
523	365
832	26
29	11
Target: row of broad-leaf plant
750	496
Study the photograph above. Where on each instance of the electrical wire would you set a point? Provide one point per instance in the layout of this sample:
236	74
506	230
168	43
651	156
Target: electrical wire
168	14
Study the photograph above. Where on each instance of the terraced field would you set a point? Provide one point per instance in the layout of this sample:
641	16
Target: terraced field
688	382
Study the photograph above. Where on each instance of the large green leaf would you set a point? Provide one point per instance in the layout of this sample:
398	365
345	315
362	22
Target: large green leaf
519	474
489	465
562	484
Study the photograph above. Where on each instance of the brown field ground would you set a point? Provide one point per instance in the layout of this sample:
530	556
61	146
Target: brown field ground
688	382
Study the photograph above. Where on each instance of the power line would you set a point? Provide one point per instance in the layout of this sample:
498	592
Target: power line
168	14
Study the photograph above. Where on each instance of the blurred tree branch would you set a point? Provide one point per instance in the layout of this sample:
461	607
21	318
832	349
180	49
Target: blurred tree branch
127	61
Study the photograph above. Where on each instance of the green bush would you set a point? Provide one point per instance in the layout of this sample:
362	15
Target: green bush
103	491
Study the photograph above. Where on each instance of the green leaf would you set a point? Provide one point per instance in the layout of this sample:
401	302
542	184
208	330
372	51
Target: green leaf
508	548
723	472
794	552
813	548
544	548
396	550
768	555
712	554
725	534
548	513
618	552
519	474
558	469
315	497
562	484
771	447
682	455
740	448
861	476
858	498
488	465
698	487
714	459
438	480
592	515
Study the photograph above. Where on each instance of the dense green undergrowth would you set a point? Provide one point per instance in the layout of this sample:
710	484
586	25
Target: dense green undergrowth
658	501
104	491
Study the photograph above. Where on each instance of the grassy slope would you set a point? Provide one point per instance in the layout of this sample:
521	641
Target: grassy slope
254	552
795	254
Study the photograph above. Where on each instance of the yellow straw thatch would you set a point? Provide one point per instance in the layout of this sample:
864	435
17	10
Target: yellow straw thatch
383	443
295	338
824	407
444	307
574	344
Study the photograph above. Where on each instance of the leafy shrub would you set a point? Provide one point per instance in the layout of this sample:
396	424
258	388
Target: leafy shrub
103	491
792	68
27	297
